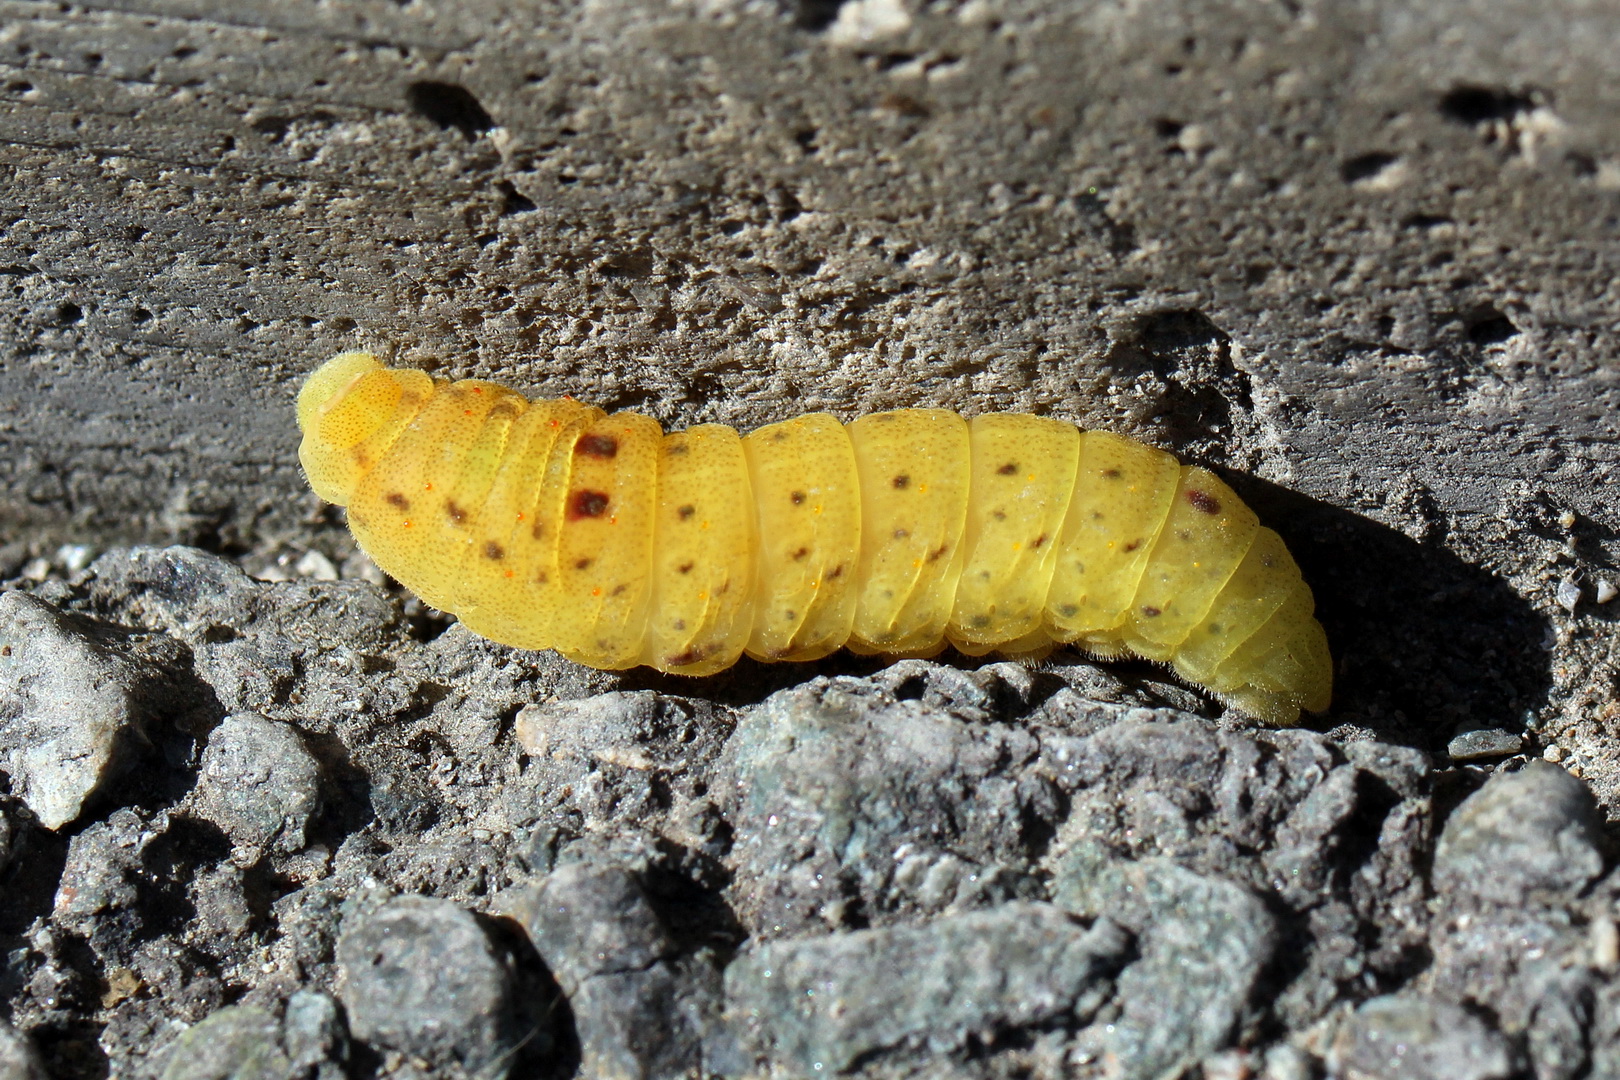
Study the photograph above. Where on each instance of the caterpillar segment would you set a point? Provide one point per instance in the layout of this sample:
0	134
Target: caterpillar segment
552	525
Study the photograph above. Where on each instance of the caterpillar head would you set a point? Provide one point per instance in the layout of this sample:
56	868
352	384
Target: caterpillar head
340	407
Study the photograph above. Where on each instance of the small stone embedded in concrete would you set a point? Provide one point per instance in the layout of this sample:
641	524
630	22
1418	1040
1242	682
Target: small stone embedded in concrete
259	783
70	710
640	1011
586	920
1532	830
843	792
312	1031
19	1059
1484	743
822	1004
99	895
1408	1037
239	1042
420	976
1203	944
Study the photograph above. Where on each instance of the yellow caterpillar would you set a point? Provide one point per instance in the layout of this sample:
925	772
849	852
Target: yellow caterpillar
552	525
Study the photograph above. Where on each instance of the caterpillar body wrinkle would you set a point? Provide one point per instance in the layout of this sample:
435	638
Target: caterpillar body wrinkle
552	525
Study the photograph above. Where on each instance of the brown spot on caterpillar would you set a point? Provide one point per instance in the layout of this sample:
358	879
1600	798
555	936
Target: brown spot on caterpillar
542	578
797	498
675	449
1203	501
1039	541
678	624
686	511
778	436
685	567
582	564
1008	469
789	615
1134	544
600	447
690	656
836	572
618	590
1068	611
979	622
494	551
999	515
901	482
901	534
1111	474
938	553
587	504
537	530
455	513
1150	611
801	553
398	501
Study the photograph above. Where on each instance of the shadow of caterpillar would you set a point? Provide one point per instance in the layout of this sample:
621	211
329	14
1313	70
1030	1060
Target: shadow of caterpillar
551	525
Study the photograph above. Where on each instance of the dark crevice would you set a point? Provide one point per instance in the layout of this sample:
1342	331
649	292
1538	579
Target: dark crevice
449	106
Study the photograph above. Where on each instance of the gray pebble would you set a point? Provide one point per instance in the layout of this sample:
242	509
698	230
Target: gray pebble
1401	1037
1484	743
1536	829
420	976
259	783
19	1060
640	1013
1202	945
240	1042
313	1032
105	878
70	717
845	798
821	1004
586	920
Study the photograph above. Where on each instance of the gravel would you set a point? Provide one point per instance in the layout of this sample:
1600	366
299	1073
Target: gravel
424	855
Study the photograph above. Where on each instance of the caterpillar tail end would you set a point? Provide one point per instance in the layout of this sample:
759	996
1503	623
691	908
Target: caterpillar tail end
1282	708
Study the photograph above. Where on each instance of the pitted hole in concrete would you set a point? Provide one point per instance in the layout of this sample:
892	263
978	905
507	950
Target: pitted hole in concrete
1486	325
1365	167
513	200
449	106
1474	105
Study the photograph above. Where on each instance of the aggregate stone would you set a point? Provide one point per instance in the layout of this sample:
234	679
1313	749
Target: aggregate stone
106	883
827	1002
1483	743
250	1042
259	783
845	799
420	976
313	1032
640	1011
71	709
239	1042
1409	1037
1201	942
1536	829
19	1060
